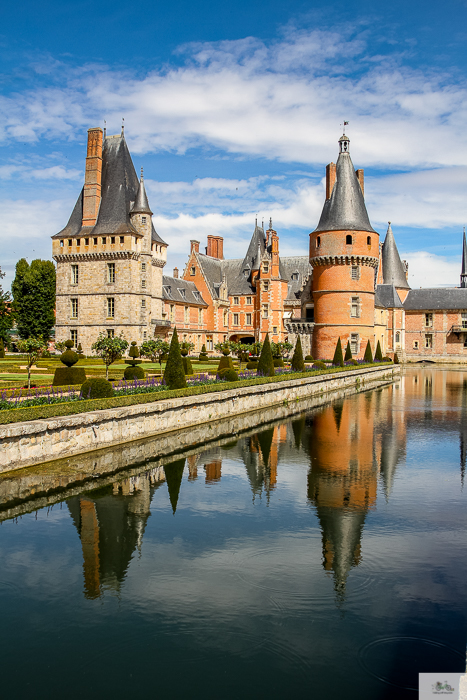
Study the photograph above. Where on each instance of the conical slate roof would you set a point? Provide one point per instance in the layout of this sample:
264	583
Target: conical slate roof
141	205
252	259
345	210
393	270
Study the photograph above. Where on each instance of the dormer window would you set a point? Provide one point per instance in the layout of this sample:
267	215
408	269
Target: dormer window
143	219
295	275
193	271
182	293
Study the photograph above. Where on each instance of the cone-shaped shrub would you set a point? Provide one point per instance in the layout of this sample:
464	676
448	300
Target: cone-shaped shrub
266	362
368	356
187	366
378	353
2	348
338	359
174	374
348	352
298	364
396	359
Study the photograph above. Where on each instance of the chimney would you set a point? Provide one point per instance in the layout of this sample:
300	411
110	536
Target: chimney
176	272
92	177
220	247
209	249
330	179
359	174
194	246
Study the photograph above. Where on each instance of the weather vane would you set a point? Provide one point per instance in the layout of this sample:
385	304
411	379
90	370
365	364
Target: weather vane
345	124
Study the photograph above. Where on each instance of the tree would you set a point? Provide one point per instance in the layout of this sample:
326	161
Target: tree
378	353
266	362
154	350
6	315
174	375
348	352
298	364
368	356
34	298
33	348
281	350
109	349
338	359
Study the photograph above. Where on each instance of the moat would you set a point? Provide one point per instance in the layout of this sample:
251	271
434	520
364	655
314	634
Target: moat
322	556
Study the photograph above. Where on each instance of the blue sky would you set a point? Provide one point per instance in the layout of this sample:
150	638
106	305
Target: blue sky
234	110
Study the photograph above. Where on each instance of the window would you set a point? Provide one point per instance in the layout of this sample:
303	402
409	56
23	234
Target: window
415	344
354	343
94	241
248	300
428	341
86	241
104	240
318	242
209	342
143	219
200	316
70	242
192	271
112	240
226	318
266	286
368	240
143	267
74	337
274	330
197	295
111	273
143	283
74	308
145	335
428	320
172	312
235	301
265	267
355	272
143	303
122	239
355	307
235	319
110	307
61	243
265	311
398	337
348	240
248	319
74	274
464	320
187	314
110	333
295	276
78	241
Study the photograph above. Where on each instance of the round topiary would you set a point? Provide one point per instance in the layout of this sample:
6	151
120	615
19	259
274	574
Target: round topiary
353	361
97	388
308	358
387	359
229	375
133	372
319	365
183	352
69	358
252	364
278	362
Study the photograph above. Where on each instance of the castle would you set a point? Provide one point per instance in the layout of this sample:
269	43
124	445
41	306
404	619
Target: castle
110	276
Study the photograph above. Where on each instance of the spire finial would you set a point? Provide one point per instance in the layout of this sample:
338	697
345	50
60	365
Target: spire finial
123	125
256	221
105	128
270	222
142	176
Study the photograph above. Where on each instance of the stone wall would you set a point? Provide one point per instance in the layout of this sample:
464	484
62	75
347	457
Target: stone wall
35	442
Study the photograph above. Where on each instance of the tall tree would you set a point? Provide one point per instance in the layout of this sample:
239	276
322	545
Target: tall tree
34	298
6	314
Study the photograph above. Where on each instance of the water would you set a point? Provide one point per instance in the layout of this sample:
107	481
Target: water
322	556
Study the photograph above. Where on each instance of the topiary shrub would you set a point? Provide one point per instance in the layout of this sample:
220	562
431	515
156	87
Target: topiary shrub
338	359
348	352
203	354
2	348
97	388
298	364
187	366
228	375
174	375
252	364
69	358
266	363
318	364
79	350
278	362
368	356
387	359
225	362
352	361
378	353
308	358
396	359
133	372
69	376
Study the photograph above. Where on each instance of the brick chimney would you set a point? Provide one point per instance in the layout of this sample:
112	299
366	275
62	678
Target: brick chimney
194	246
92	177
359	174
215	247
176	272
330	179
210	248
220	247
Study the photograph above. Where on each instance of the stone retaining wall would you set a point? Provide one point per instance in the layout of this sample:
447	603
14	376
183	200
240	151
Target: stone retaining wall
35	442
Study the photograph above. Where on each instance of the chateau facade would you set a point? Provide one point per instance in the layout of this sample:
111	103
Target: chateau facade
110	276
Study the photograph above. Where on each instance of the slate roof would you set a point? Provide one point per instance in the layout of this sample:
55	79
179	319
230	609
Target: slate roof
183	291
393	269
296	265
431	299
345	210
141	204
387	297
120	187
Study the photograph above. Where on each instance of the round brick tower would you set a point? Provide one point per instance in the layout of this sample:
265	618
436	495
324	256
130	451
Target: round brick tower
344	251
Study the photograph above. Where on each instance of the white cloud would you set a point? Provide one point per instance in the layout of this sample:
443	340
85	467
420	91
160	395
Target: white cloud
429	270
55	172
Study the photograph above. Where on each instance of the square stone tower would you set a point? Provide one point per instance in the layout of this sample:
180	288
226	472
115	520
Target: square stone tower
109	257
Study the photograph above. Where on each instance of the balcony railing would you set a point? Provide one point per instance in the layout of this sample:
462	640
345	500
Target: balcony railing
299	325
458	329
160	322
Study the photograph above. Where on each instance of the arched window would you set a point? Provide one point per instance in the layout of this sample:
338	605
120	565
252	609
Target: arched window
398	337
368	240
348	239
318	242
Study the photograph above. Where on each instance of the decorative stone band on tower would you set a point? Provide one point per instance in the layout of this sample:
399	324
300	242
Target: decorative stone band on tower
344	254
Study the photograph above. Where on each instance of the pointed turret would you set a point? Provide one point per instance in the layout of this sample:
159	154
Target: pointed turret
252	260
464	263
345	208
393	269
141	205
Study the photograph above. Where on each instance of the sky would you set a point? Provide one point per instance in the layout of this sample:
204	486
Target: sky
233	111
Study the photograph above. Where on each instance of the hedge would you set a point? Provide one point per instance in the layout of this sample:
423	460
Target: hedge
19	415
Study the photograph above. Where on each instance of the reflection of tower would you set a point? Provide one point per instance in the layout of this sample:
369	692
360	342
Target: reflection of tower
111	523
261	458
463	432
